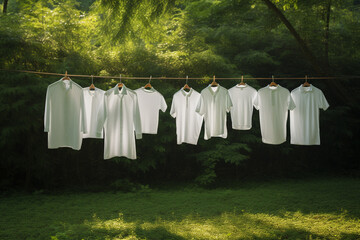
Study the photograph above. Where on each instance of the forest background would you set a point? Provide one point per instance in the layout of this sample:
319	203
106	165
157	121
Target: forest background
198	38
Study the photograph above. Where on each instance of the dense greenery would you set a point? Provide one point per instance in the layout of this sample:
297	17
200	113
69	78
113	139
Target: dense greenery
198	38
307	209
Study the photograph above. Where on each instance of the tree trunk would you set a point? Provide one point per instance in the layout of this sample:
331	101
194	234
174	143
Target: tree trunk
338	90
326	37
5	6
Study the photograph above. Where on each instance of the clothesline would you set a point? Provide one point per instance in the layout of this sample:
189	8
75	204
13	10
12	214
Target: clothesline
180	78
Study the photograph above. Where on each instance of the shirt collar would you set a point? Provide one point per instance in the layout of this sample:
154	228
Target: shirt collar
64	85
306	89
91	92
214	92
187	93
273	88
123	90
151	90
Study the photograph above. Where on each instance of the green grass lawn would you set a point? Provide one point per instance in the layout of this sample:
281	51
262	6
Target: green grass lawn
306	209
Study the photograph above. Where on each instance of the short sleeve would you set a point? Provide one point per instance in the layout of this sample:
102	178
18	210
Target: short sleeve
173	108
200	108
254	97
323	102
163	105
228	102
257	101
47	111
291	103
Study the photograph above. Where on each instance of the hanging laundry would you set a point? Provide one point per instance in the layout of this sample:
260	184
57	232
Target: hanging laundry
64	117
93	99
188	122
120	118
242	98
273	103
304	119
150	102
213	105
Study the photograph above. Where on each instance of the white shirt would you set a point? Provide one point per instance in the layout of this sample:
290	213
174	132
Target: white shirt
242	97
304	119
150	102
213	105
93	99
188	122
120	117
64	117
273	104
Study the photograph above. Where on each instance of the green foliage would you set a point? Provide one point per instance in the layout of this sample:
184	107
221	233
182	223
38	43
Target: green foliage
197	38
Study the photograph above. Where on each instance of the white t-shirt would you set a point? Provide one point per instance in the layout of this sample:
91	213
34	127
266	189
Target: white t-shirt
93	99
150	102
213	105
188	122
120	118
273	104
304	119
64	117
242	97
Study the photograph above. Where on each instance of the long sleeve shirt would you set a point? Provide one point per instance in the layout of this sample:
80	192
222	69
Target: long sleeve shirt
64	117
120	119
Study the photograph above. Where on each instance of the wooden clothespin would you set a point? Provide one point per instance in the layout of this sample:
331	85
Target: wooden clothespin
92	86
120	84
186	86
273	83
214	83
306	83
148	85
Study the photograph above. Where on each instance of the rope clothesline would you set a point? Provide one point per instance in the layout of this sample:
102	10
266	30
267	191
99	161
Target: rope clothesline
179	78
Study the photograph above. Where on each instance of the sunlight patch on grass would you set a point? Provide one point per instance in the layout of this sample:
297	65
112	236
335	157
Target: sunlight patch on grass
239	225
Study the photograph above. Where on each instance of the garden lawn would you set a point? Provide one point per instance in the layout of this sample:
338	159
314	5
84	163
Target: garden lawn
290	209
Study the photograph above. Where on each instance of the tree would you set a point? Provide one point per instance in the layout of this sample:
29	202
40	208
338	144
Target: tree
5	3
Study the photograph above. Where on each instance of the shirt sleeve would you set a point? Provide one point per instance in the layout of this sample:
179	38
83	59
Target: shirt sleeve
83	113
163	105
323	102
137	118
228	102
101	117
257	101
173	108
254	98
47	111
291	103
200	108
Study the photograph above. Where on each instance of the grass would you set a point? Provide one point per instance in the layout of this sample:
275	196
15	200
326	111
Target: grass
306	209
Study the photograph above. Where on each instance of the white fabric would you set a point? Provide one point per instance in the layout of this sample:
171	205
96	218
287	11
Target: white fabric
120	117
304	119
150	102
213	105
64	117
273	104
188	122
93	99
242	98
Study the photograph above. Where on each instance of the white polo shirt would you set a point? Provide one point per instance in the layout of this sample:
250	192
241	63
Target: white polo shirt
304	119
188	122
150	102
242	98
273	104
64	117
120	118
93	99
214	103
